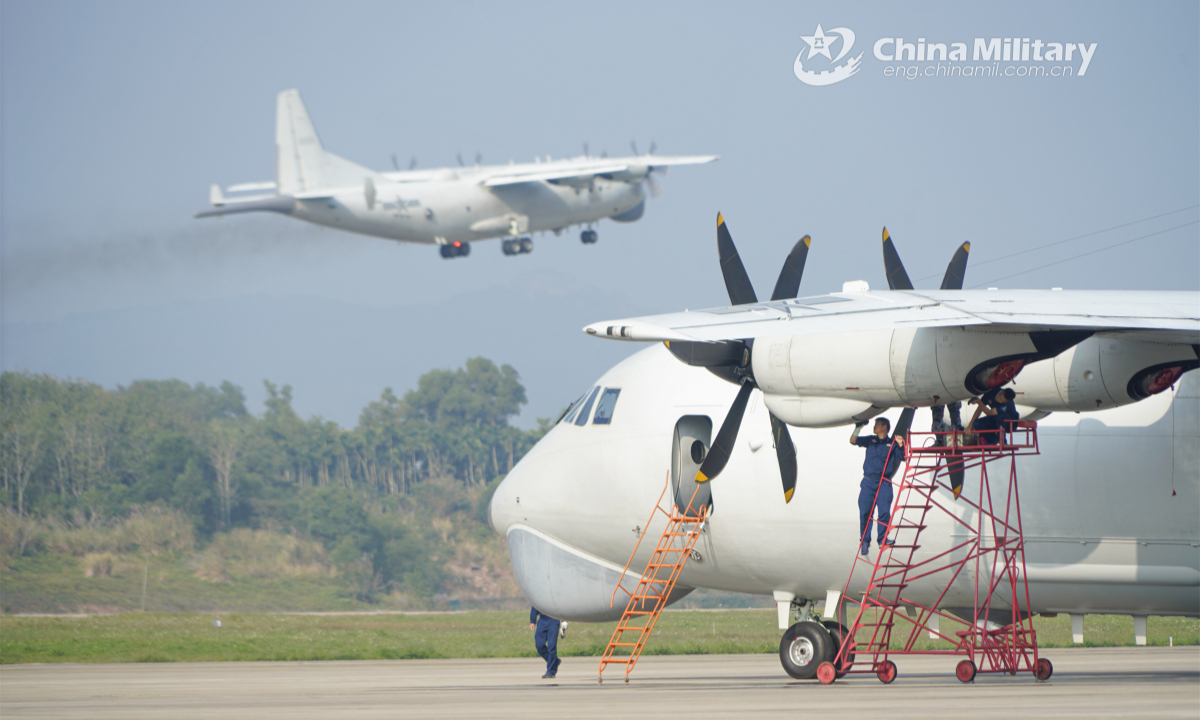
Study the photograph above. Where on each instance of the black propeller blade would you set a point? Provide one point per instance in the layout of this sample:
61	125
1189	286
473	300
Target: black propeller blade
788	284
957	269
737	282
785	451
896	276
904	423
722	446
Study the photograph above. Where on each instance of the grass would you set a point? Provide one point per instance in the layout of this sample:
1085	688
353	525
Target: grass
185	637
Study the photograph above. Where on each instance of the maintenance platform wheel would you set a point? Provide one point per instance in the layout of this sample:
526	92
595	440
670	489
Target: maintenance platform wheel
1044	670
965	671
803	648
826	673
837	632
886	672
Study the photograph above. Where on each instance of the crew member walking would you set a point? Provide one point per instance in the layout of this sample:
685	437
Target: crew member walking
875	491
545	638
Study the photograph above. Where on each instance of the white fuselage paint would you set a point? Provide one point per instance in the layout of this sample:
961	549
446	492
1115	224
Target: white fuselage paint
444	209
1111	506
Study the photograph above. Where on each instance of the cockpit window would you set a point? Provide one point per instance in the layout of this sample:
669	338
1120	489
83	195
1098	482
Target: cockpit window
573	410
586	410
604	410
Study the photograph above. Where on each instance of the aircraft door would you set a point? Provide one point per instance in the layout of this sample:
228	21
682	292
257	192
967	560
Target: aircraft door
689	446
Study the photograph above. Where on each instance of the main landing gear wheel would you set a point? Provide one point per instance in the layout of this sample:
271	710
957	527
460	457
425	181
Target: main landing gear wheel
886	672
526	244
837	632
1044	670
589	237
803	648
965	671
455	249
517	246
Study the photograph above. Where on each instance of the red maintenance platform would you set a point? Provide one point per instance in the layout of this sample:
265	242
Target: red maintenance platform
975	485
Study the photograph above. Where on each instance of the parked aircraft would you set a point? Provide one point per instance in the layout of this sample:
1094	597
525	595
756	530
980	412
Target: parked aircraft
449	207
1110	504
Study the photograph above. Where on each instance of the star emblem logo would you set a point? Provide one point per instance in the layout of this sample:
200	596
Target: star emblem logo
818	43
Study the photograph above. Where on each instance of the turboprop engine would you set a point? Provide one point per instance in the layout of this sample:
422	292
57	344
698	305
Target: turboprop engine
833	379
1104	372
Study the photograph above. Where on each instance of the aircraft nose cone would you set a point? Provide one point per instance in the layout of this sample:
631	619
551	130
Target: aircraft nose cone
504	508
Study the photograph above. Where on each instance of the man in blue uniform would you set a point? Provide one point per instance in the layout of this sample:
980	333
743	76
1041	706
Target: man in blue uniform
545	638
998	409
875	491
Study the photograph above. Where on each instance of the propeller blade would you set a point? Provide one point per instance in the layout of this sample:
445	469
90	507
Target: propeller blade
412	164
718	454
478	157
653	186
653	147
896	277
785	451
708	354
957	268
737	282
904	423
633	146
585	149
460	160
395	162
788	284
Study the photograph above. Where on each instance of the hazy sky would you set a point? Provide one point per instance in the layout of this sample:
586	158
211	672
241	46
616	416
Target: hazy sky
117	116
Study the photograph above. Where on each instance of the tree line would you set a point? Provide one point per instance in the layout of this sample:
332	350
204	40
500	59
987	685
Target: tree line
71	446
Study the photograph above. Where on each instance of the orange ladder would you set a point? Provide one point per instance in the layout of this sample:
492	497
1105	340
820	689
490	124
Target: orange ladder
649	598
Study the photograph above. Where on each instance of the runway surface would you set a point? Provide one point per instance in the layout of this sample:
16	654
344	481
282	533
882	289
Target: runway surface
1087	683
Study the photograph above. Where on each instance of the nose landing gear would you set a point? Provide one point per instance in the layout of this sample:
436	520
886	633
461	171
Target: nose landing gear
517	246
589	237
455	249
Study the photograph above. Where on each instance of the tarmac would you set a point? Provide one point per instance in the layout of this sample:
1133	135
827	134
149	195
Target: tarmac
1143	682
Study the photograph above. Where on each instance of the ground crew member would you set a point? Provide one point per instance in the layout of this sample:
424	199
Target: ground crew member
875	490
545	638
998	409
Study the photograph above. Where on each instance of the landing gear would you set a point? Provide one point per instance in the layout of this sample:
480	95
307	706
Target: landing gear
589	237
804	647
837	631
517	246
455	249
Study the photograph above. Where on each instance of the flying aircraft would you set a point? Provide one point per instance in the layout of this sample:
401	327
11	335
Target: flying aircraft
448	207
748	403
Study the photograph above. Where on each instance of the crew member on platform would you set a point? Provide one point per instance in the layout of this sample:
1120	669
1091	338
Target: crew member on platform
998	409
545	638
875	491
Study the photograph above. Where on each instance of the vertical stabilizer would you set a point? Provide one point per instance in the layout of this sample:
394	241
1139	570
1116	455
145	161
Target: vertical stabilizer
302	165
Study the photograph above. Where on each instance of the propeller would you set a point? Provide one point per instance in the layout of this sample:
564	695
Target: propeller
897	277
730	360
952	280
395	162
460	160
478	158
586	154
412	164
633	147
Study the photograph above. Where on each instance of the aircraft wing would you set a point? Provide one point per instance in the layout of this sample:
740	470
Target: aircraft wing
584	170
1154	316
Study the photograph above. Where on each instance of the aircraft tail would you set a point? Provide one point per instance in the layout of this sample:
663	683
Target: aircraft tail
302	165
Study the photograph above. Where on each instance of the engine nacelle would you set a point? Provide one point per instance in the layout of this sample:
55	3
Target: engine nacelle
631	174
824	380
1103	372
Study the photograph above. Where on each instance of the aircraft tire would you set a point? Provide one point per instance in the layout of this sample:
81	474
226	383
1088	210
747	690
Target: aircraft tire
803	648
526	244
464	250
507	247
446	251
